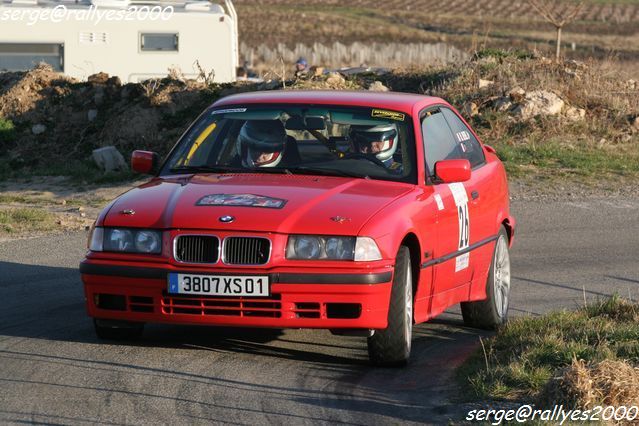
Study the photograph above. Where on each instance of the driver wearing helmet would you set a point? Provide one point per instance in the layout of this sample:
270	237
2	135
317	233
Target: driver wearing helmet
261	143
380	140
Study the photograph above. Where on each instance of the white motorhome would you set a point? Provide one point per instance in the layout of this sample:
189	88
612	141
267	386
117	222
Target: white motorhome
134	40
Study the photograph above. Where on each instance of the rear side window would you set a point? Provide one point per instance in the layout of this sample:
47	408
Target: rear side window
468	145
439	142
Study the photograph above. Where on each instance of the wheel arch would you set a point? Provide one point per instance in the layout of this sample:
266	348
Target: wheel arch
509	224
411	241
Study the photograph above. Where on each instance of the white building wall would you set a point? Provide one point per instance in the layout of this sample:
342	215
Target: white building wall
207	37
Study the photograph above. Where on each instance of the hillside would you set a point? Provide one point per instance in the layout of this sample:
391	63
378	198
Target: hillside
604	28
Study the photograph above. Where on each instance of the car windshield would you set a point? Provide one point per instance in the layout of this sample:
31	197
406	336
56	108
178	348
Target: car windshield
368	143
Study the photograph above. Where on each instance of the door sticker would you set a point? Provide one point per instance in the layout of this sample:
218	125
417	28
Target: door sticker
461	203
440	203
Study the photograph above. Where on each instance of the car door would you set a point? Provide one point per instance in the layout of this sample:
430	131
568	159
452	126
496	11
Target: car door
452	273
482	198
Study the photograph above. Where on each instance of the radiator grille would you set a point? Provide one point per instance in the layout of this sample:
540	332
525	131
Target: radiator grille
197	249
246	250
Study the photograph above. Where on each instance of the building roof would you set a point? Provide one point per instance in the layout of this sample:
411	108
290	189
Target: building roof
180	6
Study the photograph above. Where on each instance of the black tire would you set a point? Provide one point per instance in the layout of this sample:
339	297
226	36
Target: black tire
492	312
391	347
118	330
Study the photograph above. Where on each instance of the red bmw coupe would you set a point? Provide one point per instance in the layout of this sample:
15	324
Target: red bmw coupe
362	213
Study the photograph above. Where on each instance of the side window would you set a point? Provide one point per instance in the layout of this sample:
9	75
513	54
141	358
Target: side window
159	42
24	56
468	144
439	142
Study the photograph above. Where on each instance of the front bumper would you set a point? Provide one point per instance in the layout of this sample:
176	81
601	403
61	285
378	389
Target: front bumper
336	300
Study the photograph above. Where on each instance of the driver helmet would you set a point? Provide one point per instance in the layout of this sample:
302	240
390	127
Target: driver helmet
380	140
261	143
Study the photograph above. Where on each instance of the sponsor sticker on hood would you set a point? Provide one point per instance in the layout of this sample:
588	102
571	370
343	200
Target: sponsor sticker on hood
241	200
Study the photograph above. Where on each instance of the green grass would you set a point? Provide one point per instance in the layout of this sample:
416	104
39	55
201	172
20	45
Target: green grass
78	172
560	160
501	53
13	221
524	355
39	201
8	199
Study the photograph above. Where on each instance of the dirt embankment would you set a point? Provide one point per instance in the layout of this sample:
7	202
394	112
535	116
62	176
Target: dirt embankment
56	120
48	121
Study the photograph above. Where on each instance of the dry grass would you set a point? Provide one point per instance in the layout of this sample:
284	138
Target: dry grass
584	385
578	358
605	141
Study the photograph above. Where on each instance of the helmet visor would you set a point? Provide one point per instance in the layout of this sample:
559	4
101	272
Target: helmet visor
262	158
375	142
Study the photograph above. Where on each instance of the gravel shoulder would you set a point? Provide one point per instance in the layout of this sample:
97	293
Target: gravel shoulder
70	206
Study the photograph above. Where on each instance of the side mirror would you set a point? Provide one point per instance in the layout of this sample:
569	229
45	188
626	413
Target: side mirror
145	162
451	171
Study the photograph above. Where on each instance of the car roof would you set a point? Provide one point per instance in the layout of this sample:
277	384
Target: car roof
404	102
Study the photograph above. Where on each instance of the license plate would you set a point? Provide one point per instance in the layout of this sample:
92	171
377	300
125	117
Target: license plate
219	285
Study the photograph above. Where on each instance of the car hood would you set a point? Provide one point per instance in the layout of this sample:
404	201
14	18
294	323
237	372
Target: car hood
298	203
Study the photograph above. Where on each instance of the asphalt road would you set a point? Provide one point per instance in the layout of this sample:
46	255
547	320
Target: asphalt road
54	370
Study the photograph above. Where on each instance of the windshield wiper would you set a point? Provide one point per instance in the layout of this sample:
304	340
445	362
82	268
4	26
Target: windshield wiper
327	171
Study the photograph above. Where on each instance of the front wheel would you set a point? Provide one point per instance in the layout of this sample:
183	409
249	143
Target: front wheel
493	311
391	347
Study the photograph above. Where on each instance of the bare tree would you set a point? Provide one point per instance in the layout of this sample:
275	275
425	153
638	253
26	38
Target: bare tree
558	14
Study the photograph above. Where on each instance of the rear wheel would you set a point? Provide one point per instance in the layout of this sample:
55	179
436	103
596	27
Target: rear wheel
493	311
391	347
118	330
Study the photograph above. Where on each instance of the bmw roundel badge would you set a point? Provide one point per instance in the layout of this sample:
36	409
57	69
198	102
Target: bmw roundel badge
226	219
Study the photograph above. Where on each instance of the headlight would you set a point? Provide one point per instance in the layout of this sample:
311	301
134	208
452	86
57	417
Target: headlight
307	247
339	248
126	240
96	239
147	242
312	247
366	250
118	240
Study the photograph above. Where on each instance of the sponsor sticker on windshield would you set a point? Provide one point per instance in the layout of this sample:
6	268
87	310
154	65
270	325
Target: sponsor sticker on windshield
392	115
241	200
228	111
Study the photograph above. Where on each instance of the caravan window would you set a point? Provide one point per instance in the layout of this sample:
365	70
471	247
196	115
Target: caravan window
159	42
24	56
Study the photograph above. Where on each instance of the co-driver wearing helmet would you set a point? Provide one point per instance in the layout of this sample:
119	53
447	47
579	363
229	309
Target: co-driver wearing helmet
380	140
261	143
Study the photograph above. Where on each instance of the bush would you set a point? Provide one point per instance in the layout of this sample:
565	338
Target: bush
7	132
501	53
